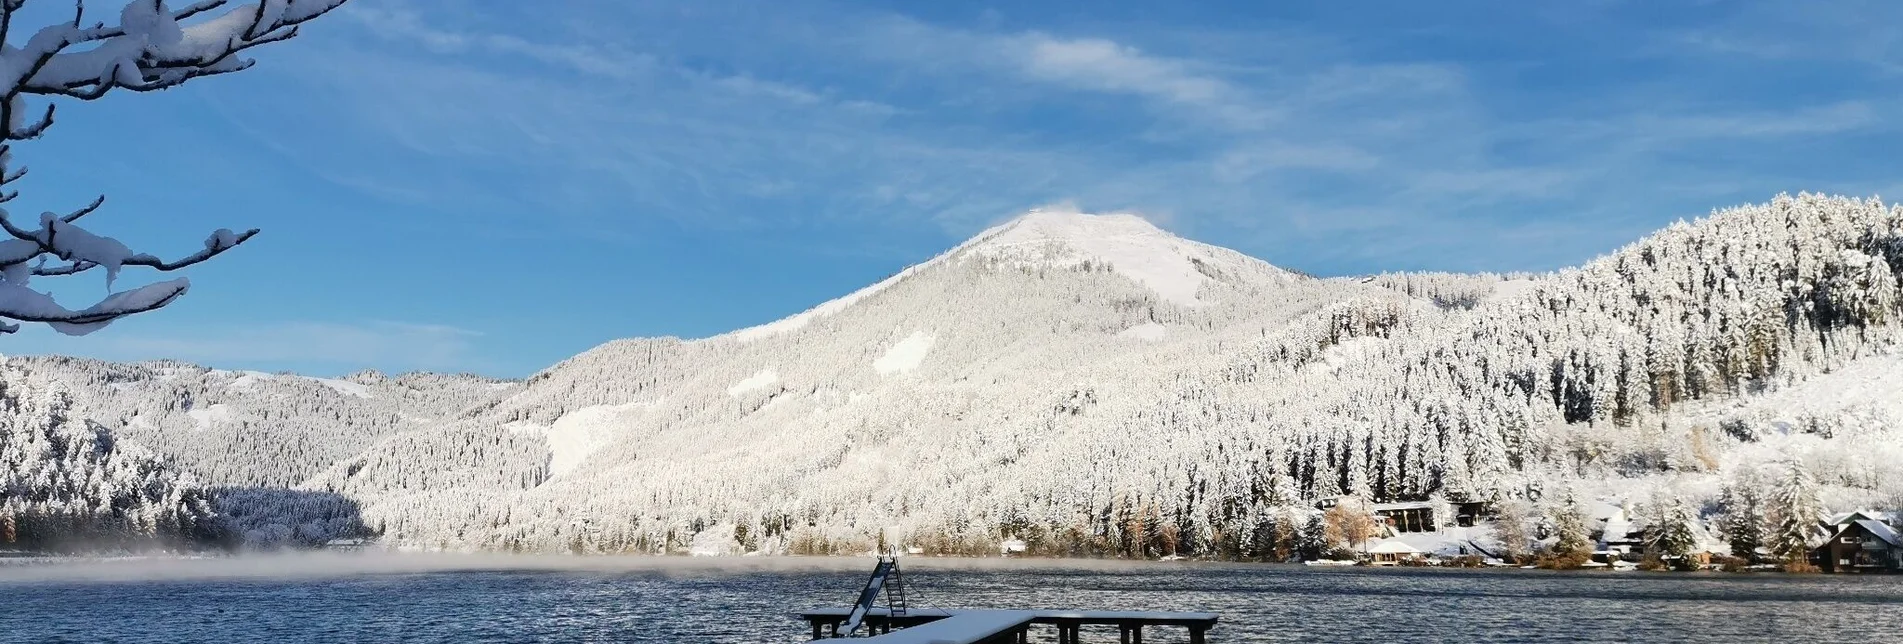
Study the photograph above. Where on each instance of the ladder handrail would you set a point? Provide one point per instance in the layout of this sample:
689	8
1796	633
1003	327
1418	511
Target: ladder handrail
895	592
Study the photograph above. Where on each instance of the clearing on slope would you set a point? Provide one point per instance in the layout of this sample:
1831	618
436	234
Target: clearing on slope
905	355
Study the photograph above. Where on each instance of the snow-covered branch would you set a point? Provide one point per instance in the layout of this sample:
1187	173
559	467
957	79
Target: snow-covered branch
152	47
149	49
60	238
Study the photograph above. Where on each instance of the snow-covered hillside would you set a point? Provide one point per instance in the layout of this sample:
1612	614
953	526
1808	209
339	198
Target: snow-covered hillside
69	484
1093	384
252	429
958	366
1067	374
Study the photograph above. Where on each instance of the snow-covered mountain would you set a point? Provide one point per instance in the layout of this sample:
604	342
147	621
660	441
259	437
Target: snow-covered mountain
1068	374
1095	384
962	364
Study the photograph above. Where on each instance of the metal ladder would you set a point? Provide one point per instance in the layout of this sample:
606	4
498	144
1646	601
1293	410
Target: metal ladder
895	592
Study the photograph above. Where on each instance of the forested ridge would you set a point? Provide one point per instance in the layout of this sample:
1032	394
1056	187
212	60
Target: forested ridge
67	484
1095	386
236	444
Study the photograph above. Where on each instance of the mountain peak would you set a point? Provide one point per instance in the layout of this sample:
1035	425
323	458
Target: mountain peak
1173	267
1066	224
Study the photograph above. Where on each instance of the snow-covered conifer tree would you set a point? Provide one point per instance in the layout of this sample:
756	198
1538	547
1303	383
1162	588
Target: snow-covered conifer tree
1795	511
153	47
1313	540
68	484
1445	515
1744	519
1672	534
1569	523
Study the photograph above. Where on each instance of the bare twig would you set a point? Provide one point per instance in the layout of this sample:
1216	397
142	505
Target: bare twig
69	269
75	215
210	251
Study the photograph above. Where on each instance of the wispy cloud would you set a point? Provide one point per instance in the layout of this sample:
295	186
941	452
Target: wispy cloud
407	26
1103	65
1832	118
1859	32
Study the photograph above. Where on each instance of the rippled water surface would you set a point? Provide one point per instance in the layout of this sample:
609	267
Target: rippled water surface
326	601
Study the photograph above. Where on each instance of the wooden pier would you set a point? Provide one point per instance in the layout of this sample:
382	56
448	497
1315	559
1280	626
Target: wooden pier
934	626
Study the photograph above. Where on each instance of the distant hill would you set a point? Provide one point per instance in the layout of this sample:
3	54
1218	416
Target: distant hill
67	484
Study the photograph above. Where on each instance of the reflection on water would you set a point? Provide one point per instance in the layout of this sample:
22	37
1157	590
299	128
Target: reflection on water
582	600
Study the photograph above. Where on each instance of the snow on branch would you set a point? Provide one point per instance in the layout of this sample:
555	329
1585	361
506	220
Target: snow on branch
152	47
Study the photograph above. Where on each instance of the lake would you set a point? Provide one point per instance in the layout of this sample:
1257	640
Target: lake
439	598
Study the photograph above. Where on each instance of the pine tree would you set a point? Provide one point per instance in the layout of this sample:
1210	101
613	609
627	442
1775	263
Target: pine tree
1569	521
1445	513
1672	535
1744	520
1314	537
1795	512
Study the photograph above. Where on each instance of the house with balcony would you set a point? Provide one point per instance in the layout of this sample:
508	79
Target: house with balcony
1863	543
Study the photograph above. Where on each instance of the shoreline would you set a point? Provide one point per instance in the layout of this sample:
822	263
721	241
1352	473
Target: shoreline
320	564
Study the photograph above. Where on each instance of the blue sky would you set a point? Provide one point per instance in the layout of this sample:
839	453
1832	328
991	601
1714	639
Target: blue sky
476	185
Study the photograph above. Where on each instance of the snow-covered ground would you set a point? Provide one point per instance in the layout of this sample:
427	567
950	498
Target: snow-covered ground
1447	542
209	415
580	433
1129	245
1148	331
905	355
759	380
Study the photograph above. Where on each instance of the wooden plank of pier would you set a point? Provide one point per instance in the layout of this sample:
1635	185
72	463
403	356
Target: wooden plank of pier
987	626
962	627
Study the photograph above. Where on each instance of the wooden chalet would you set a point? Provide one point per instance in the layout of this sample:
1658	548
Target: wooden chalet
1861	544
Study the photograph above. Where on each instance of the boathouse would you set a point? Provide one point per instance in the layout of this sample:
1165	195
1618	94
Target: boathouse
1392	553
1862	545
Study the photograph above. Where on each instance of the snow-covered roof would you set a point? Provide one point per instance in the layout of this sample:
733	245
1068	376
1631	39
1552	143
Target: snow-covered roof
1409	505
1619	528
1882	531
1599	510
1393	548
1849	517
